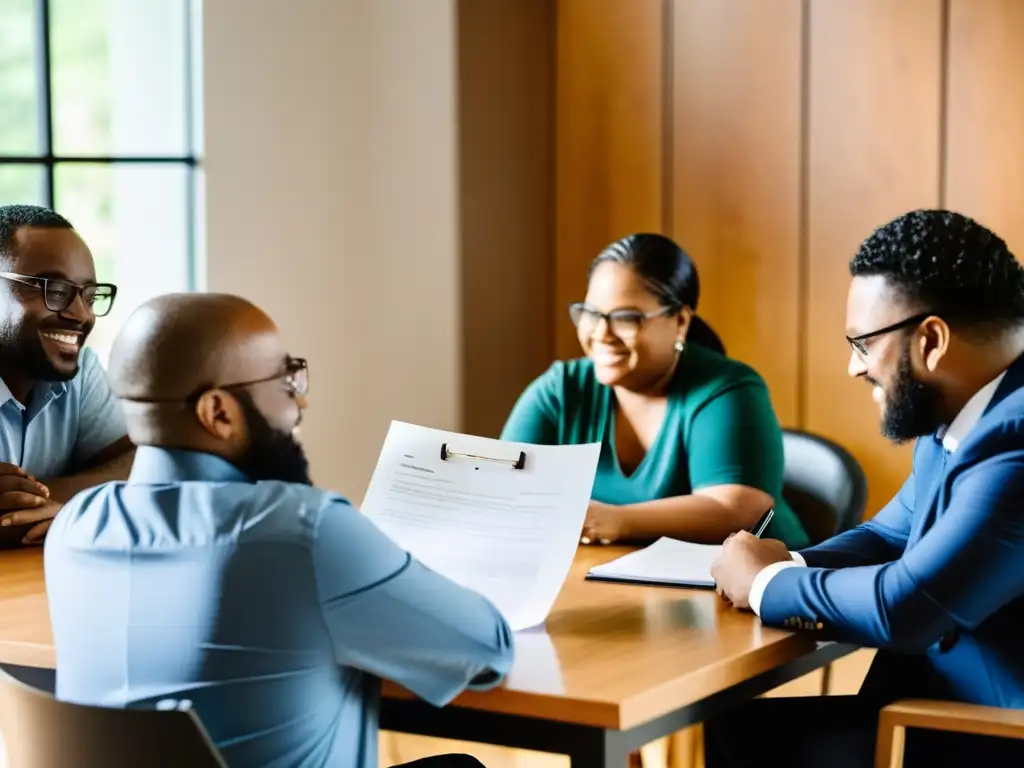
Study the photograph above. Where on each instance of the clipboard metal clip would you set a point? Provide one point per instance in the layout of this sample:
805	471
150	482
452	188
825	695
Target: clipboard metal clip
516	463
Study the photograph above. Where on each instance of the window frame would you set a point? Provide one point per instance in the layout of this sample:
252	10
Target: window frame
46	158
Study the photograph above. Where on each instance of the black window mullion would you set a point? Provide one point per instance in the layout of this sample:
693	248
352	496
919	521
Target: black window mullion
190	139
190	149
48	160
44	83
99	159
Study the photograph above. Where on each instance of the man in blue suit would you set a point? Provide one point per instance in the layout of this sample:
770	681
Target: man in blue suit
935	319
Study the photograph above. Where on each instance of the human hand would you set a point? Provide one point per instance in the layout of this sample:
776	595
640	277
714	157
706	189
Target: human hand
743	557
19	490
603	524
41	515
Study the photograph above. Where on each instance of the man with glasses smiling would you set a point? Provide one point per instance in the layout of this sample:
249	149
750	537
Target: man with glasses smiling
935	581
61	430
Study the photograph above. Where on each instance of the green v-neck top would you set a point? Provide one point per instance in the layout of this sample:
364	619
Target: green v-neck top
719	429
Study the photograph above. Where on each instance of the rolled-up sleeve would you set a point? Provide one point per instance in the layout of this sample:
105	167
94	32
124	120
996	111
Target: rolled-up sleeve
100	418
389	615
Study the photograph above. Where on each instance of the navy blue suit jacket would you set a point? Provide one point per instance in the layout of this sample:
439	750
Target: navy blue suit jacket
938	573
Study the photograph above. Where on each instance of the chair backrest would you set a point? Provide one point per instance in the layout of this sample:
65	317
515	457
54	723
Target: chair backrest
823	483
41	732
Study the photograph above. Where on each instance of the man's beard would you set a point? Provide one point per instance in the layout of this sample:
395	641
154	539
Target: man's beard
22	351
911	406
272	454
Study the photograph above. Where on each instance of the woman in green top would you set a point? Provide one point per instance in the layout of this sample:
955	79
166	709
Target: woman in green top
690	445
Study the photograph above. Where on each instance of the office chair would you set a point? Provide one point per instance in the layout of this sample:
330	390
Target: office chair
41	732
823	483
827	489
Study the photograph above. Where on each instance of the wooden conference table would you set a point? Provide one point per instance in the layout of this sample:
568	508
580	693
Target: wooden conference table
614	667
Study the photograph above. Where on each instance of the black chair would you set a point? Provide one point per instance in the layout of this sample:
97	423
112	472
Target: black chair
827	489
823	483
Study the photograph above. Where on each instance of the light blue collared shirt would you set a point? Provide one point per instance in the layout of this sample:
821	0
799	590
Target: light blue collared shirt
63	425
271	608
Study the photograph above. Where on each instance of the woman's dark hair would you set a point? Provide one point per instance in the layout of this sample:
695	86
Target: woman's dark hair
668	273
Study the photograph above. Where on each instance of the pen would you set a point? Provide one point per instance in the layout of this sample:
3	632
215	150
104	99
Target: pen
763	522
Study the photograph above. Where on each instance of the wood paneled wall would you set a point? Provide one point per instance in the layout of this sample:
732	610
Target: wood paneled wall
873	128
735	176
506	104
769	137
610	134
984	112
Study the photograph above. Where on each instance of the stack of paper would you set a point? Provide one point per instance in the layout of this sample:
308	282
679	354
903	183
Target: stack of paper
665	562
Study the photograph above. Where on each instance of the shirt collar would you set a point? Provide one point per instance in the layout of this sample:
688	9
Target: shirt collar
44	390
969	415
171	465
5	394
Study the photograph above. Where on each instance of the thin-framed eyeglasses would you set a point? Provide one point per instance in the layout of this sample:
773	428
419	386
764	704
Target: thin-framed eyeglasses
623	323
857	342
295	376
59	294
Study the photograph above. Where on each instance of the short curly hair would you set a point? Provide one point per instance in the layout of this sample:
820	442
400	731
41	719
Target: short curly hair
14	217
947	263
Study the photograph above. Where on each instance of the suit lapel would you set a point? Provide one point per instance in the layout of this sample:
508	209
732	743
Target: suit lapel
933	464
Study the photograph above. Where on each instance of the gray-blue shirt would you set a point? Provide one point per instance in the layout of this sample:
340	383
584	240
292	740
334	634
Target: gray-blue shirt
272	609
63	424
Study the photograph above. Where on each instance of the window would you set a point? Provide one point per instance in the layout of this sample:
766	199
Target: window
99	120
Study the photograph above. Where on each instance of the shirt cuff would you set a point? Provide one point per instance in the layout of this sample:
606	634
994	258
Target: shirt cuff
766	575
486	680
798	558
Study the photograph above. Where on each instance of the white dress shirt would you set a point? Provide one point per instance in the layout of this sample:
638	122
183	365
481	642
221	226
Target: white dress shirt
951	439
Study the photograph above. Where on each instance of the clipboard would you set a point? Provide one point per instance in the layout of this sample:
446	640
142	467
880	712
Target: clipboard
516	463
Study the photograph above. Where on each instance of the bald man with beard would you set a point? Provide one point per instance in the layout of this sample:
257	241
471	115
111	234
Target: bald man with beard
218	578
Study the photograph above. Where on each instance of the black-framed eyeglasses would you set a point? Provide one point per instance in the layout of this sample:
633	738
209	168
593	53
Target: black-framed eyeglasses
295	376
857	342
59	294
623	323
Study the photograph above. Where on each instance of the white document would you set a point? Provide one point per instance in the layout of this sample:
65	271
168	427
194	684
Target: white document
666	561
510	534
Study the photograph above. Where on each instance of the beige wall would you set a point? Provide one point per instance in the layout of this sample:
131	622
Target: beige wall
331	202
345	155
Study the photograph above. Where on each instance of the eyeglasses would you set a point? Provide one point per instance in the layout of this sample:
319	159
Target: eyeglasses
857	342
60	294
623	323
295	375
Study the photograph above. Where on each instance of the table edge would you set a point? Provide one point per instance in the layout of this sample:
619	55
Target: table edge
671	696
